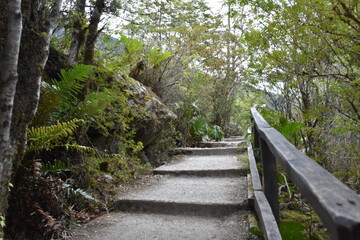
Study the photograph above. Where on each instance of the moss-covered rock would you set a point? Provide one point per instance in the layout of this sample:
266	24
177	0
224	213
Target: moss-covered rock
152	114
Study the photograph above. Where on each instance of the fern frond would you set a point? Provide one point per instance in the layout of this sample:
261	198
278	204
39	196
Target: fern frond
78	148
46	137
82	194
56	166
69	85
79	72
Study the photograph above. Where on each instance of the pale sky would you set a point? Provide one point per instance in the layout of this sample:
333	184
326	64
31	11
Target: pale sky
215	5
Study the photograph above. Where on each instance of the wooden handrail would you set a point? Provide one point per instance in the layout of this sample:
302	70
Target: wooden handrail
336	204
262	207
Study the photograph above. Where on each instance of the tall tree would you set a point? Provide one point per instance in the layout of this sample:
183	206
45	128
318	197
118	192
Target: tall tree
40	20
8	80
30	25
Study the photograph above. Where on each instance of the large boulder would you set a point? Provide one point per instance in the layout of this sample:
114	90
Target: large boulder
153	115
149	117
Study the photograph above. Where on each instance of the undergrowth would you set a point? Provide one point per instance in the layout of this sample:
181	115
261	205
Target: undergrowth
298	219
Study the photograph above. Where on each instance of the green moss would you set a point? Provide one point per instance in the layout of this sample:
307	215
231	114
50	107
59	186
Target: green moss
292	231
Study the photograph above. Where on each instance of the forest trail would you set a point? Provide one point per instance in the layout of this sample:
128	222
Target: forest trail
201	194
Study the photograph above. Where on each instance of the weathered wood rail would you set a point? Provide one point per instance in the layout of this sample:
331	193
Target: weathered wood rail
336	204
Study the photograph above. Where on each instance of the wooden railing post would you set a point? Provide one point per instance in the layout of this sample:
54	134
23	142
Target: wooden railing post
268	162
256	143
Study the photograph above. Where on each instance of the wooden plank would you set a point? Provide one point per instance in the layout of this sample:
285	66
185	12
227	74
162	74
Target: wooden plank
255	177
266	217
259	120
270	184
251	196
336	204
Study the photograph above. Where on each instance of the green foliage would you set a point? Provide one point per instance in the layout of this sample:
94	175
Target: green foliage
59	99
309	222
132	45
69	84
122	167
292	231
48	137
80	197
297	219
216	133
258	233
56	166
290	130
2	222
93	107
247	97
187	111
199	127
304	54
156	56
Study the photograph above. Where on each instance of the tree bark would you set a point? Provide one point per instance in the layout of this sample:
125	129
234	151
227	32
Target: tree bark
93	31
8	81
40	20
78	34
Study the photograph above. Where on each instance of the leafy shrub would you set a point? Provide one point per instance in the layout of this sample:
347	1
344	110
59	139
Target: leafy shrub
199	127
290	130
216	133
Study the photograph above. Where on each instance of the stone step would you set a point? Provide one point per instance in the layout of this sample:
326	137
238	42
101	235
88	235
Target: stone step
204	173
202	165
224	143
234	138
211	151
204	196
178	208
127	226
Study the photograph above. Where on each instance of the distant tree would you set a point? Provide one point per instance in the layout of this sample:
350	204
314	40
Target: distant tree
93	32
78	33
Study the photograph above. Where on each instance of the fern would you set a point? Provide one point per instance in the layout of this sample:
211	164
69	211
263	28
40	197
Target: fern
67	88
69	85
55	167
81	195
48	137
78	148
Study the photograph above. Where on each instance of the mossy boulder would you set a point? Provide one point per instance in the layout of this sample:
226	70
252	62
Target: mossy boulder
152	115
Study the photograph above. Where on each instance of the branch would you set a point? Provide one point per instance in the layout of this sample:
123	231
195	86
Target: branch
349	14
354	108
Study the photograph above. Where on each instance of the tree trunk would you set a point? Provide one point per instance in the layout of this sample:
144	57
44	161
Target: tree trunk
8	81
39	18
93	31
78	34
